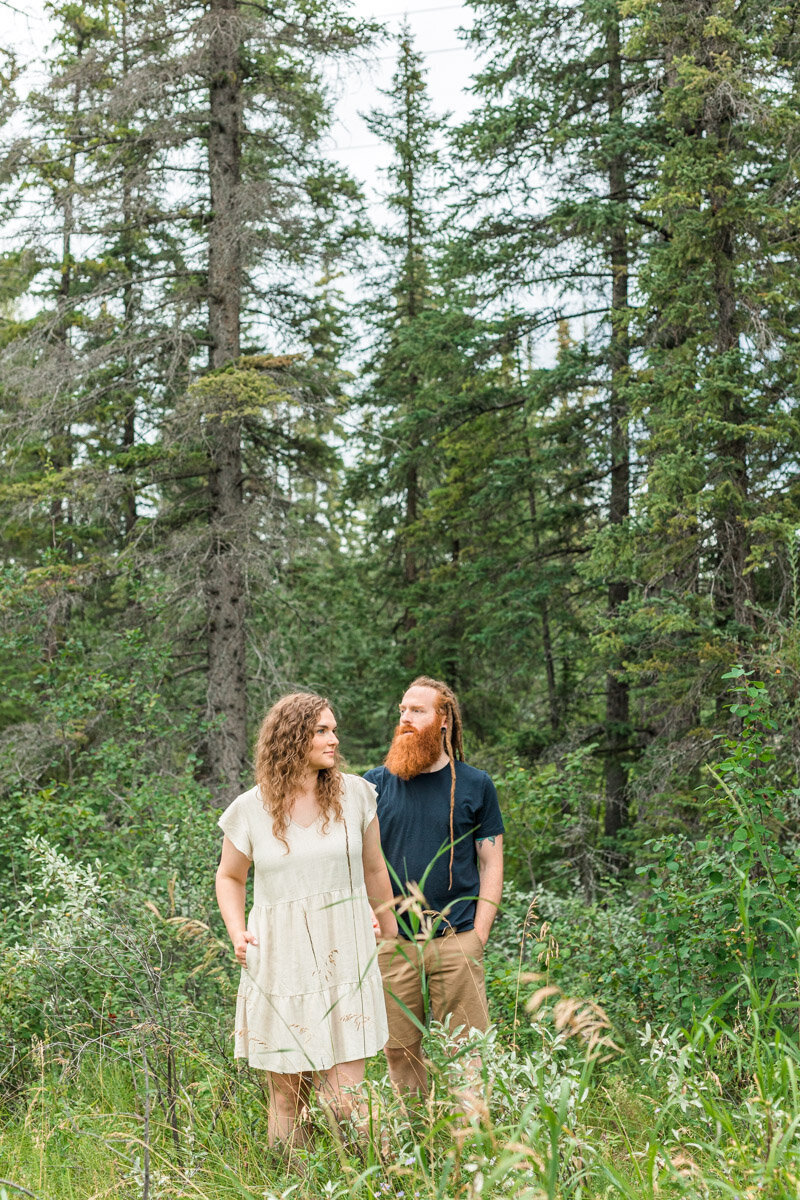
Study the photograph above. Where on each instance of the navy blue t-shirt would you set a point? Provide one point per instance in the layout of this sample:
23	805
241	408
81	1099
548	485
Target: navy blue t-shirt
414	817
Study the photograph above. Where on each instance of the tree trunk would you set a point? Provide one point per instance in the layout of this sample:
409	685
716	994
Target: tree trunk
410	564
732	590
224	585
61	447
617	719
412	475
129	513
553	706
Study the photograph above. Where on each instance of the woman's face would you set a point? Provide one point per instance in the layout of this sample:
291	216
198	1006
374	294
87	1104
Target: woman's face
324	742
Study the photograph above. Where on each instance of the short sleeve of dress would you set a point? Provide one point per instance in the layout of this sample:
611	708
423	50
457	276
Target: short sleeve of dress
369	803
234	825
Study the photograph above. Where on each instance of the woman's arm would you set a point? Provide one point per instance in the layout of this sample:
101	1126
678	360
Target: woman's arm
231	881
376	878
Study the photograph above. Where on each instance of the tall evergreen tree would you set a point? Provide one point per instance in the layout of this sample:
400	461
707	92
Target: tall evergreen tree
446	485
253	121
564	158
403	377
197	192
97	356
719	305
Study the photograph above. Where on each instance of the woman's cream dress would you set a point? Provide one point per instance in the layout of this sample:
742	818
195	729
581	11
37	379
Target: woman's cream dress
310	995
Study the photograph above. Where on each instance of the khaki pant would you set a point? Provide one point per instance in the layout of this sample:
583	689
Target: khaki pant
452	967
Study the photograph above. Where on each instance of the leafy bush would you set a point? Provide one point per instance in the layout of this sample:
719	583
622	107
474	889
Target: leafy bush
550	814
94	960
724	909
715	921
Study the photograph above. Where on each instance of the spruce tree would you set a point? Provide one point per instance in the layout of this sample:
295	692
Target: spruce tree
719	304
402	376
250	121
199	195
564	156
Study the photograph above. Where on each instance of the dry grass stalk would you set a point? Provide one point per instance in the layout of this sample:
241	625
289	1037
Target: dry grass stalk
542	994
547	951
685	1165
582	1019
529	915
416	904
527	1154
548	946
587	1021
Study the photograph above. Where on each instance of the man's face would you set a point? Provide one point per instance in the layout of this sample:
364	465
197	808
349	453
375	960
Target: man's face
418	708
417	741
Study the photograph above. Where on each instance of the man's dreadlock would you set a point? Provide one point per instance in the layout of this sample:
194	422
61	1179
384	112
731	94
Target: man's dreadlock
450	713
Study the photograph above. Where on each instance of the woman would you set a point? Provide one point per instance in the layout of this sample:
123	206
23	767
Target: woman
310	1003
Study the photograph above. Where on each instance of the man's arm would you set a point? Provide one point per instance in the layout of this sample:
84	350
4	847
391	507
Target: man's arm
490	867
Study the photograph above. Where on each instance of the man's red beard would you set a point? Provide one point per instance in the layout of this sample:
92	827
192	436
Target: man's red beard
413	751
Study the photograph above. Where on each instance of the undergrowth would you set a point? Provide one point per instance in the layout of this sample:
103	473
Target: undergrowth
712	1112
645	1045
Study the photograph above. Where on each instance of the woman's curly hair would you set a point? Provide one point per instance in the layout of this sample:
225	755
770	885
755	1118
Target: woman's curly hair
284	741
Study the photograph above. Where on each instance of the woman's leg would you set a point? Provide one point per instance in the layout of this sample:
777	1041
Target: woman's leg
340	1090
288	1096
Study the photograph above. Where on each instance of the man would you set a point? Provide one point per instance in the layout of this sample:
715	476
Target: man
441	829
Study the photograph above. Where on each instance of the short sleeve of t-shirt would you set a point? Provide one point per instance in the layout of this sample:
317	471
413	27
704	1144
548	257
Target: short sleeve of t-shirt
234	825
491	824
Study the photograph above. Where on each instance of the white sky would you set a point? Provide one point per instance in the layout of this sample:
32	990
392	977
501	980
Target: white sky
434	26
433	23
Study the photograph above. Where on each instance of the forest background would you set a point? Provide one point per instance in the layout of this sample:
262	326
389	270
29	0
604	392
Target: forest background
535	434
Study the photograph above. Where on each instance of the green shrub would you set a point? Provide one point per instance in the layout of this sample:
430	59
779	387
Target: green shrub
550	813
724	909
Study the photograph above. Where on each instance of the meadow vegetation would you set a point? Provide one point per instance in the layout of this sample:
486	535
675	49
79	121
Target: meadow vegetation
645	1041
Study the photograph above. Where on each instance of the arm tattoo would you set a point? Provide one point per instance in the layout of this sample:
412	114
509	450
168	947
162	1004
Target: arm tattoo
480	841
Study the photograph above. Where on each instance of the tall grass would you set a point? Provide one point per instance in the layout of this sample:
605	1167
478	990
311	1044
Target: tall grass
118	1080
712	1111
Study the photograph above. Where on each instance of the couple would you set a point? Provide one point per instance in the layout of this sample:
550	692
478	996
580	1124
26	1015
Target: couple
312	1003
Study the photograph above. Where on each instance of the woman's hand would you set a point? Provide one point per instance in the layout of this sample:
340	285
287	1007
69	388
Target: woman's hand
240	944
